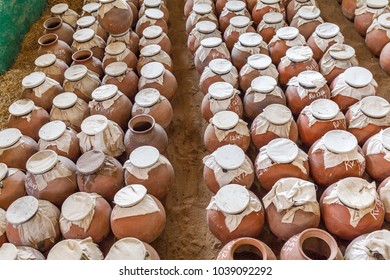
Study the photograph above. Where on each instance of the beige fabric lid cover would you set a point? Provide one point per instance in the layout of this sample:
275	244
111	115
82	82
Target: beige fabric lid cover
91	7
45	60
68	249
52	130
250	39
206	26
235	6
144	156
340	141
8	251
358	76
327	30
311	79
3	221
41	162
21	107
221	90
273	17
154	14
202	9
9	137
152	32
225	120
232	199
147	97
270	2
309	12
282	150
22	210
115	48
152	3
299	53
353	193
33	80
76	72
324	109
229	157
259	61
94	124
263	84
384	20
152	70
287	33
377	3
220	66
115	69
3	173
83	35
277	114
127	248
59	8
375	106
130	195
344	53
77	206
385	138
240	21
104	92
211	42
150	50
65	100
86	21
90	162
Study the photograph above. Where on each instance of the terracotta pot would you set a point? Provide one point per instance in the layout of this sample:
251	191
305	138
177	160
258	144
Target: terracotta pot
279	159
348	8
384	197
320	117
307	20
376	36
50	44
143	130
351	221
311	244
118	52
70	109
210	48
134	11
87	39
40	89
202	30
270	24
151	102
130	38
153	4
85	215
86	58
52	67
12	185
200	12
383	60
226	128
11	252
63	30
15	148
246	248
294	6
365	15
276	121
264	7
99	173
232	9
3	235
220	4
115	16
129	248
242	206
237	25
370	246
67	15
59	138
227	165
334	146
127	220
150	18
91	9
189	5
146	166
154	53
154	35
75	249
36	215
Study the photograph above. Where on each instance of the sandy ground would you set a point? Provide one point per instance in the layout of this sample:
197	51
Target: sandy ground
186	235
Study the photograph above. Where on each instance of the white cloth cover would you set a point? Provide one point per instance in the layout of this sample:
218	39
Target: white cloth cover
144	207
202	53
105	8
231	77
241	128
106	104
40	90
303	92
312	120
360	120
200	36
377	26
120	57
384	194
302	21
251	50
298	5
90	250
96	41
162	57
70	17
269	71
73	115
298	41
328	63
17	144
226	11
143	173
323	43
375	12
143	42
220	105
118	78
342	88
62	143
258	96
143	81
194	18
277	7
3	222
263	126
263	25
86	85
372	246
53	69
240	30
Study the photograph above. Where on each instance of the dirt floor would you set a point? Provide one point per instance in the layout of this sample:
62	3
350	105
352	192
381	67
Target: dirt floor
186	235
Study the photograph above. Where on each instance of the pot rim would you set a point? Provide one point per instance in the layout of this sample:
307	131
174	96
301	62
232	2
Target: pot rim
141	118
48	36
317	233
248	241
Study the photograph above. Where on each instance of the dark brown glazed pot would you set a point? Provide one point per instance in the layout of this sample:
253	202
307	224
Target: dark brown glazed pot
86	58
246	248
53	67
50	43
116	20
63	30
11	185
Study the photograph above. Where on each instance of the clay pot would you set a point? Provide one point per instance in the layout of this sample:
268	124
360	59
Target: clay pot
244	208
202	30
137	214
226	128
154	53
263	92
221	97
85	215
143	130
383	191
383	60
232	9
111	103
304	89
375	150
327	158
86	39
200	12
27	117
92	23
220	4
11	185
3	235
86	58
348	8
134	10
81	81
59	138
237	25
154	4
285	38
351	207
351	86
246	248
209	49
11	252
37	216
276	121
336	60
146	166
376	36
364	16
326	35
151	102
369	246
295	5
318	118
151	17
154	35
270	24
130	38
91	9
307	20
75	249
154	75
63	30
70	109
297	60
115	16
129	248
50	44
279	159
40	89
247	45
368	117
15	148
117	52
189	5
257	65
99	173
52	67
219	70
311	244
67	15
227	165
291	207
264	7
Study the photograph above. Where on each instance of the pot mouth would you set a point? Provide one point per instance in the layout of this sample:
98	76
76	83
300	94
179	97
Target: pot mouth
316	244
82	55
48	39
52	23
243	250
141	123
